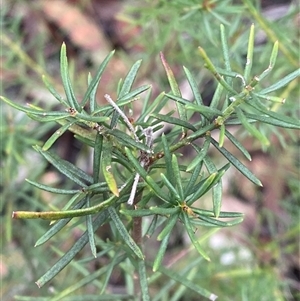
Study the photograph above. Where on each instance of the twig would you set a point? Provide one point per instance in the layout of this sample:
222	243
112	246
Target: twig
125	118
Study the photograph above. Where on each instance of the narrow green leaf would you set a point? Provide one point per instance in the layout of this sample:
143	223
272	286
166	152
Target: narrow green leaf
81	195
128	141
281	83
187	283
54	215
168	226
249	60
164	211
135	163
131	96
222	135
204	109
156	221
65	165
196	107
97	156
161	252
129	79
57	226
229	74
200	189
270	98
106	166
151	183
45	118
273	121
177	176
120	83
219	223
174	87
168	159
143	280
238	145
190	274
171	78
214	71
251	129
95	81
272	62
90	230
205	186
201	223
91	119
172	136
51	189
256	104
97	188
58	133
201	154
207	28
34	107
156	189
235	121
191	233
91	278
53	91
194	86
136	212
114	119
92	102
70	254
124	233
33	111
66	79
174	120
106	109
110	267
68	169
146	103
239	165
171	188
86	141
143	203
217	189
223	214
121	159
193	179
153	106
127	99
225	52
217	97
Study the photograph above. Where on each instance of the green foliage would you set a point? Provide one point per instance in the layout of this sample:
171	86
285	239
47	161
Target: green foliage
140	186
135	165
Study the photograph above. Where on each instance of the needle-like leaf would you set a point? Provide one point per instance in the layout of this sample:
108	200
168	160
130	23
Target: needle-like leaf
124	233
71	99
106	164
70	254
238	164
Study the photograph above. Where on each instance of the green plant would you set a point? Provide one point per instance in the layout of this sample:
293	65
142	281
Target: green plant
138	173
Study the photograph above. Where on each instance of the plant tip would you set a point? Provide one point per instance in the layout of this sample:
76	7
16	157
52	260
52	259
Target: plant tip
37	283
